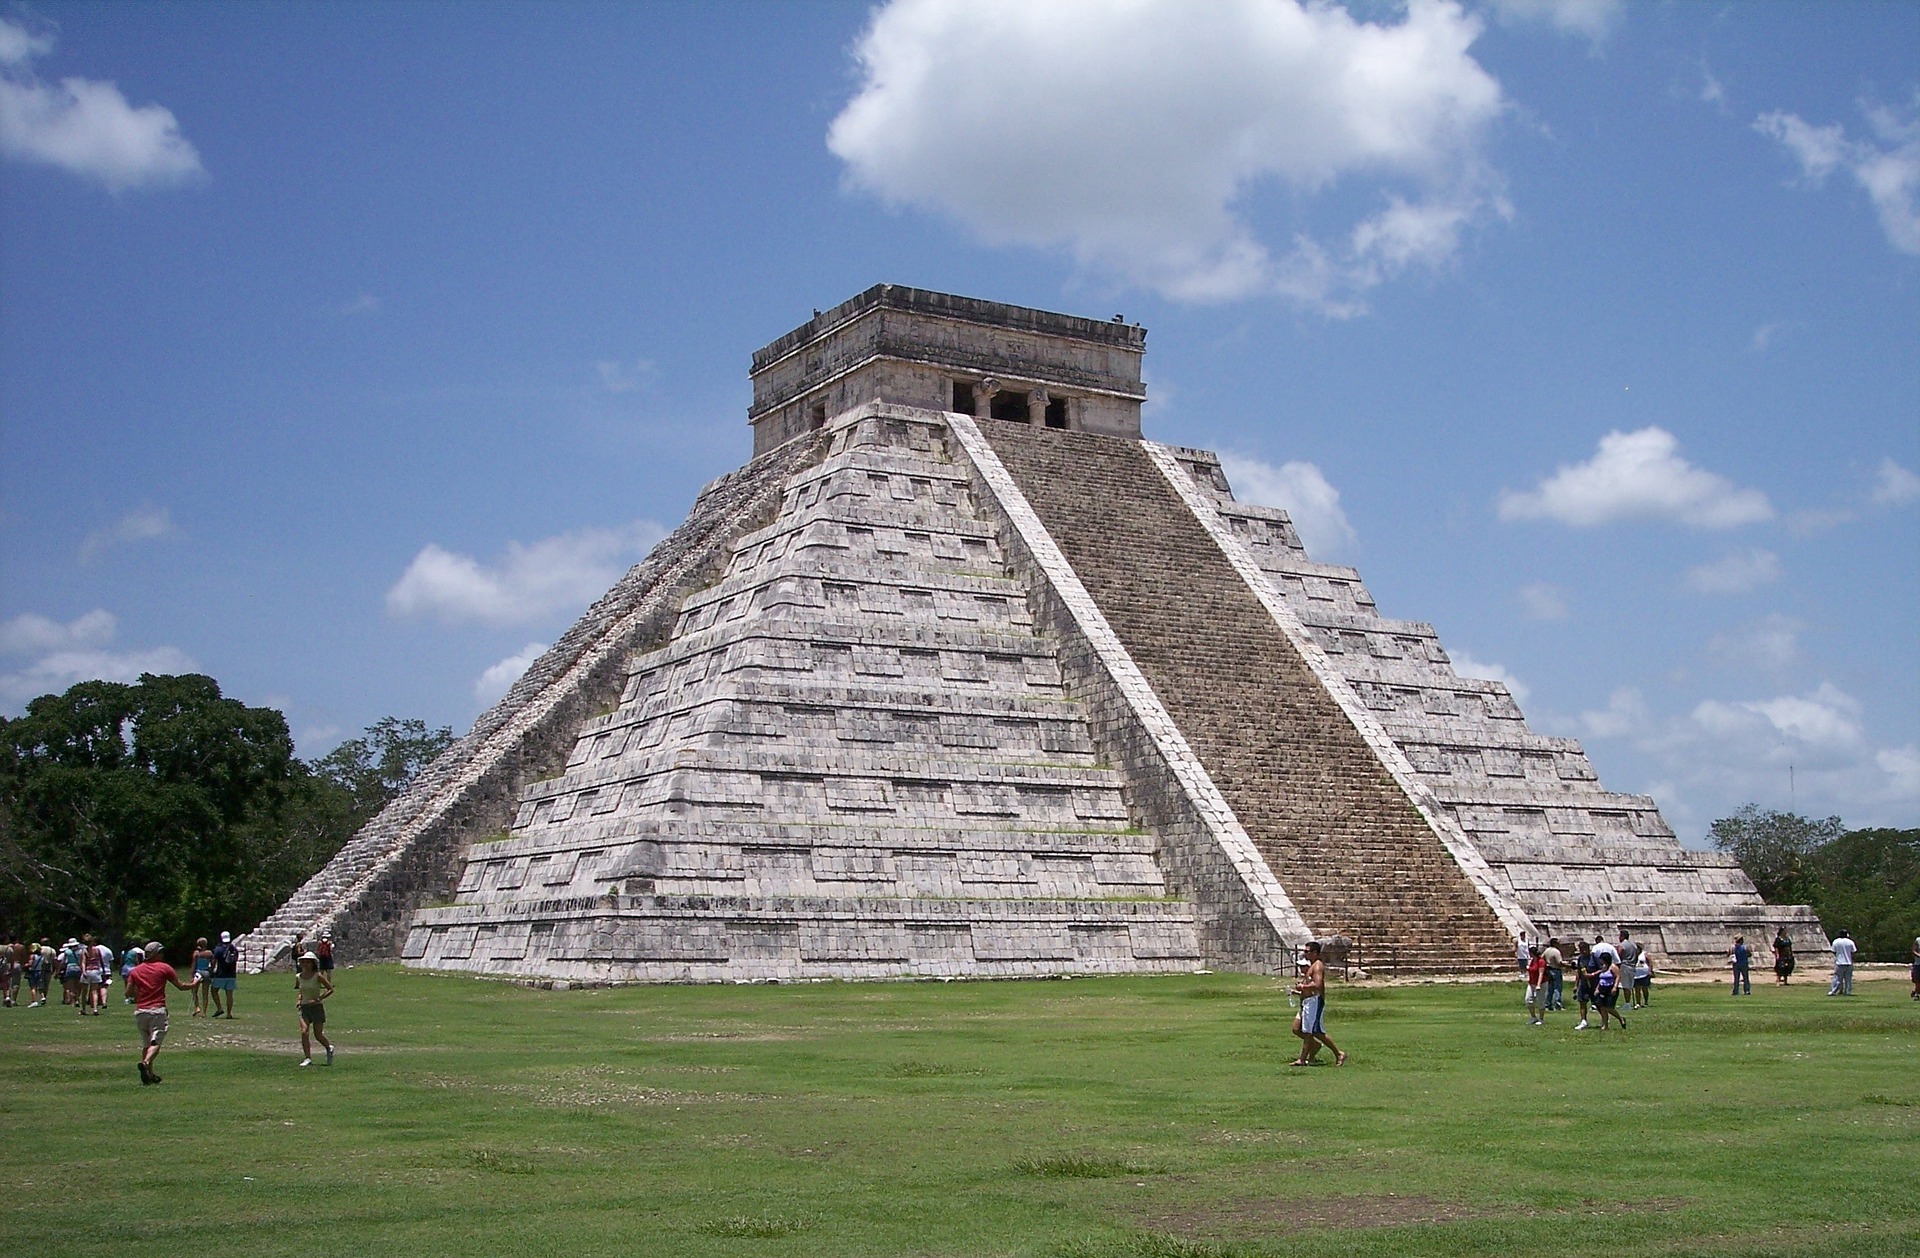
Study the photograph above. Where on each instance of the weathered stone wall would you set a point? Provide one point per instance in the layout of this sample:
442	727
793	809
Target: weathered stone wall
907	346
412	852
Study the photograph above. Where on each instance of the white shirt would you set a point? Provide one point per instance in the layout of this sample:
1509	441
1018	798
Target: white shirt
1606	953
1843	950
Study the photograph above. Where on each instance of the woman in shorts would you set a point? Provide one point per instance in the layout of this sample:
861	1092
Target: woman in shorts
202	971
91	977
310	991
1642	979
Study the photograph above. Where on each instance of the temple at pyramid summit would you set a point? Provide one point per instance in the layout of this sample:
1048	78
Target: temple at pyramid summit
960	676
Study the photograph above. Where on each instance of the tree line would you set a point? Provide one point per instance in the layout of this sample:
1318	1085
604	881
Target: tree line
163	809
1866	882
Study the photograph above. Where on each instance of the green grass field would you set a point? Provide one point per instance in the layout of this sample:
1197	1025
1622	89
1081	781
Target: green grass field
1101	1117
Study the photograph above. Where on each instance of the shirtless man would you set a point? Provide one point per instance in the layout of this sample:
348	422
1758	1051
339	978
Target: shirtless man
1311	1024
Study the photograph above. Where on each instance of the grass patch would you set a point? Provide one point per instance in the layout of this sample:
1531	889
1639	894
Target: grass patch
1101	1118
1076	1166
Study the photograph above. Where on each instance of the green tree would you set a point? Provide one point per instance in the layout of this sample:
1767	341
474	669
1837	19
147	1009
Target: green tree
377	766
1773	848
1868	881
118	801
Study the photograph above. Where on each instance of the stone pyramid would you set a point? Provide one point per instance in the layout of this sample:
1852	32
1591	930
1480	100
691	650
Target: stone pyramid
960	677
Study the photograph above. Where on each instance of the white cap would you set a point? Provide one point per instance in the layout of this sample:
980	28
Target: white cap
225	937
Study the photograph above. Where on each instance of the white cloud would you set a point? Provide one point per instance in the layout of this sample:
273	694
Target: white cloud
145	523
555	574
1132	135
365	303
31	634
1466	666
1303	493
1809	751
499	678
85	126
1768	645
1626	714
1766	334
60	655
1541	601
1593	19
1712	90
1894	485
1740	572
1637	475
1886	166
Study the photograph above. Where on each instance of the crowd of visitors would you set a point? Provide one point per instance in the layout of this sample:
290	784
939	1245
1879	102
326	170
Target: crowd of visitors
84	968
1604	972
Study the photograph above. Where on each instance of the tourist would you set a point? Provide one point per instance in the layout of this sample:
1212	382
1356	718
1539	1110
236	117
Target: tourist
70	967
40	966
1585	966
324	950
1642	979
91	977
1742	966
1522	953
131	958
1782	957
13	967
1913	970
1843	950
202	972
1556	974
226	974
1606	989
1630	950
105	956
148	983
310	990
1536	987
1311	1022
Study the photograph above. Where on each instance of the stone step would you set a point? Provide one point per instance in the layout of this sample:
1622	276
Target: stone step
1338	832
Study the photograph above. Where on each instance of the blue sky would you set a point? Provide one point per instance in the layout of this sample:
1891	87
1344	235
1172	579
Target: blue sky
347	352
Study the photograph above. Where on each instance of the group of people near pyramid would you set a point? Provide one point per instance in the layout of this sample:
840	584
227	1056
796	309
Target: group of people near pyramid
85	969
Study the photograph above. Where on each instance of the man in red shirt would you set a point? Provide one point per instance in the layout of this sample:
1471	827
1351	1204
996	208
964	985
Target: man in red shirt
147	984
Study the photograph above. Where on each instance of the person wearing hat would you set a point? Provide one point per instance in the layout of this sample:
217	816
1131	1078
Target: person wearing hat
226	971
310	990
148	982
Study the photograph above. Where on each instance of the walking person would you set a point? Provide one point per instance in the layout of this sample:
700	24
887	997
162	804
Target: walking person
202	972
1586	965
310	991
1843	950
1642	979
1311	1022
1536	987
40	966
13	967
1630	950
148	983
1742	966
1782	957
1913	969
91	976
128	959
1556	974
1606	990
226	974
324	950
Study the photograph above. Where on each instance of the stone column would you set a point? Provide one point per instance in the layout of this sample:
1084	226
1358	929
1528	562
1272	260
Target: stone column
1037	407
983	396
